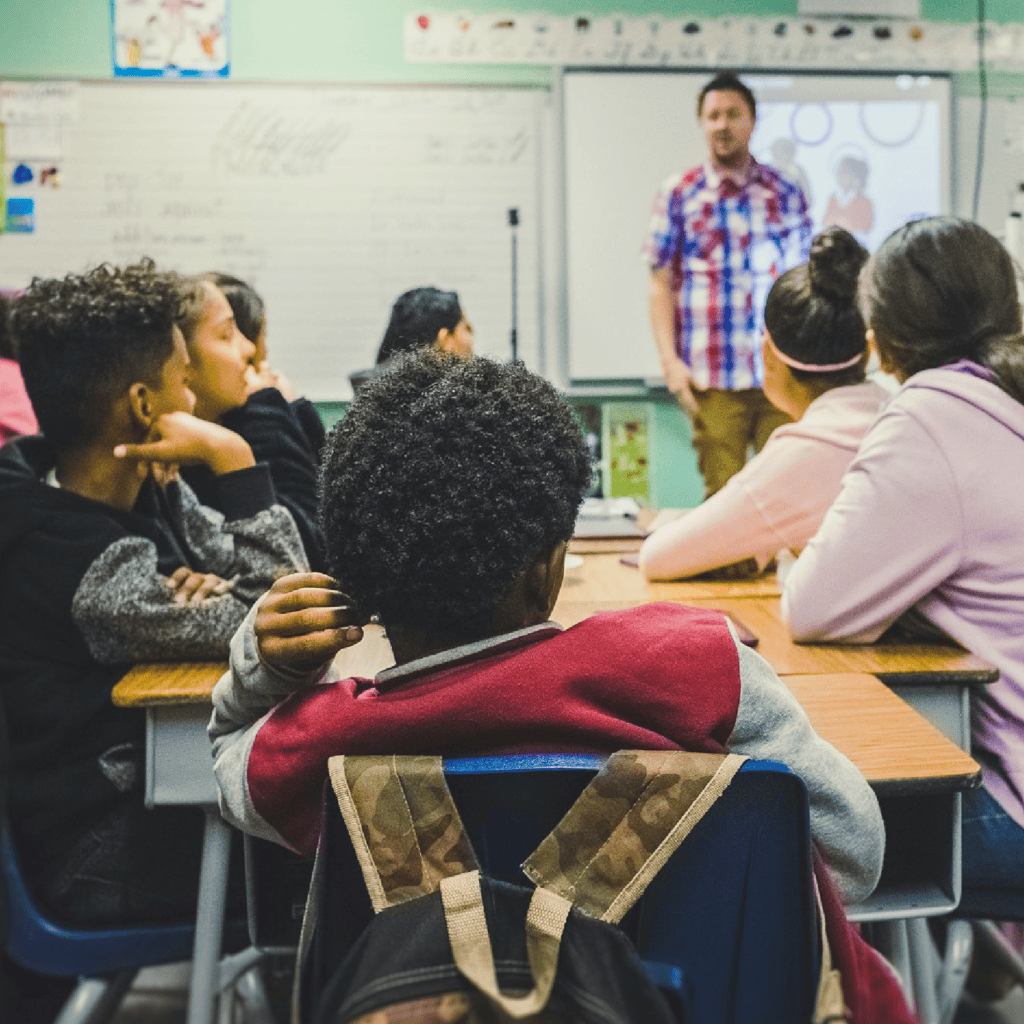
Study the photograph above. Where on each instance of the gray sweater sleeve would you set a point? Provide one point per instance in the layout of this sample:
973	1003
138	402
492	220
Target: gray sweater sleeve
846	822
125	611
242	699
248	537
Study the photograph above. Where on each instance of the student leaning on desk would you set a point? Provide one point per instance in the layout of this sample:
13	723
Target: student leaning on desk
235	386
814	360
106	560
929	515
449	494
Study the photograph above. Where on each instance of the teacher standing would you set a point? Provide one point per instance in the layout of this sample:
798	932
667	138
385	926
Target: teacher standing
720	234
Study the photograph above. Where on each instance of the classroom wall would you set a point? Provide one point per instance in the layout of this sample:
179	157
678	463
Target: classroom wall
362	41
353	40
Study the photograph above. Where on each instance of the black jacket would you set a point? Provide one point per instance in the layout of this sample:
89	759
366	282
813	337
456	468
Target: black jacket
83	595
288	437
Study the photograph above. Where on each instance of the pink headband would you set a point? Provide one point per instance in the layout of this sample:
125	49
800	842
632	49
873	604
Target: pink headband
811	367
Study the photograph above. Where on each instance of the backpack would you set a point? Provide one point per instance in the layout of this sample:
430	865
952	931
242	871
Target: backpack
449	944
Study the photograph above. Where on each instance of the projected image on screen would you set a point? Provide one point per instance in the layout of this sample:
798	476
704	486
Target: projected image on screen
867	166
870	152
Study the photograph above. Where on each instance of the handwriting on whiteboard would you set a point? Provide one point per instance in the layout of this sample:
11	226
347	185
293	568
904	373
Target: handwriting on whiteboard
261	141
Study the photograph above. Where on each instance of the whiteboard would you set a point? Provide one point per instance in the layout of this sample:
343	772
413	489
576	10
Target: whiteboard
625	133
331	200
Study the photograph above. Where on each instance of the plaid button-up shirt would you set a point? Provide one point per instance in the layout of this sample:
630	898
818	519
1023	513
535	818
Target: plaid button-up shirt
725	243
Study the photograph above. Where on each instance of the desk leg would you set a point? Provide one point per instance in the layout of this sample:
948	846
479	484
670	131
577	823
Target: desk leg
922	967
891	940
213	885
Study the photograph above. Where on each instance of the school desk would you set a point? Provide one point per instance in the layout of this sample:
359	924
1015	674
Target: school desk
176	697
860	715
916	772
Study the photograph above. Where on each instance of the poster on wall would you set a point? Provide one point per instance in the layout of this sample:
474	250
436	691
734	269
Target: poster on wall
33	117
170	38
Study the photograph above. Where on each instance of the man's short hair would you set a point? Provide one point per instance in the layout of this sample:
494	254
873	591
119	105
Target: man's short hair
84	339
728	81
446	478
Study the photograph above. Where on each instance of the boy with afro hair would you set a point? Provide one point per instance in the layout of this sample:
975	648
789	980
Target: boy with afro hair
449	493
107	559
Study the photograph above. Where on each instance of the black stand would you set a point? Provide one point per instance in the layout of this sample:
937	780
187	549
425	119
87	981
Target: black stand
513	223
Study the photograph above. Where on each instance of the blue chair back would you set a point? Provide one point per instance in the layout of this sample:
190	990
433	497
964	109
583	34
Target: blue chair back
992	904
731	918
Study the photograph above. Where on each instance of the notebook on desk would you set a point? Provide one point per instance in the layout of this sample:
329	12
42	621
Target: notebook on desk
608	518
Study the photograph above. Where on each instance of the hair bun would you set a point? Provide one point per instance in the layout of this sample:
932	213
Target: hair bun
835	263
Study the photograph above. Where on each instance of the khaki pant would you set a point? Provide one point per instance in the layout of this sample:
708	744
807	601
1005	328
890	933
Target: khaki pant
725	426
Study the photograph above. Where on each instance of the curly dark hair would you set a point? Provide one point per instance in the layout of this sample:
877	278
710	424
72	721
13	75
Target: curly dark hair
84	339
417	317
445	479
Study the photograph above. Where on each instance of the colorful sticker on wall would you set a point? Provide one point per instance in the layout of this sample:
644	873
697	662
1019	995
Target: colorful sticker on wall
654	40
21	215
170	38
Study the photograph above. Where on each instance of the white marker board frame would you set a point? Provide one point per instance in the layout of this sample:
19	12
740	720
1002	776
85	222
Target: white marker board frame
623	134
330	199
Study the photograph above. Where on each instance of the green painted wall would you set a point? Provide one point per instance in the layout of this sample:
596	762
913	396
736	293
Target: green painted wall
348	40
361	41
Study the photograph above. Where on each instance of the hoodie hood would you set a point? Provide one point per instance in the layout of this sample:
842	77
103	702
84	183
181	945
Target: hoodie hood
25	497
962	381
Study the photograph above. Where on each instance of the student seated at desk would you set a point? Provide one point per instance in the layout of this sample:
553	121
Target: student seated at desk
232	389
16	415
814	360
929	517
450	492
251	318
421	318
105	560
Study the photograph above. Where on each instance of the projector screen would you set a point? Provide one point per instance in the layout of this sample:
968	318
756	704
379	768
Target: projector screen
871	152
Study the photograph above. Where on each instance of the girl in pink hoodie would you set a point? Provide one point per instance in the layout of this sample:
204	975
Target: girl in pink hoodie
814	359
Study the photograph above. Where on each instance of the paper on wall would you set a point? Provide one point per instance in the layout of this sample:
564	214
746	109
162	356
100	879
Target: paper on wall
38	102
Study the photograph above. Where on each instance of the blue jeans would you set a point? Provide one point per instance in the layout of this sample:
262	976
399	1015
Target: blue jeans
993	844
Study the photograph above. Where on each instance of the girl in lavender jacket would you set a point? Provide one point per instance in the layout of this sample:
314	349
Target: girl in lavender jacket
929	519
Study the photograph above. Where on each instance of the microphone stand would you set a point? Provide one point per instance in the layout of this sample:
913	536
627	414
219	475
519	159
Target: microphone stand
513	223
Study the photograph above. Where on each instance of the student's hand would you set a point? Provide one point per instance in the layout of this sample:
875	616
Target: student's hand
179	437
679	381
304	620
265	376
195	587
743	570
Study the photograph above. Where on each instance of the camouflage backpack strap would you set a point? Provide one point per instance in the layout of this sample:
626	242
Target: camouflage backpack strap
410	841
403	824
626	824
